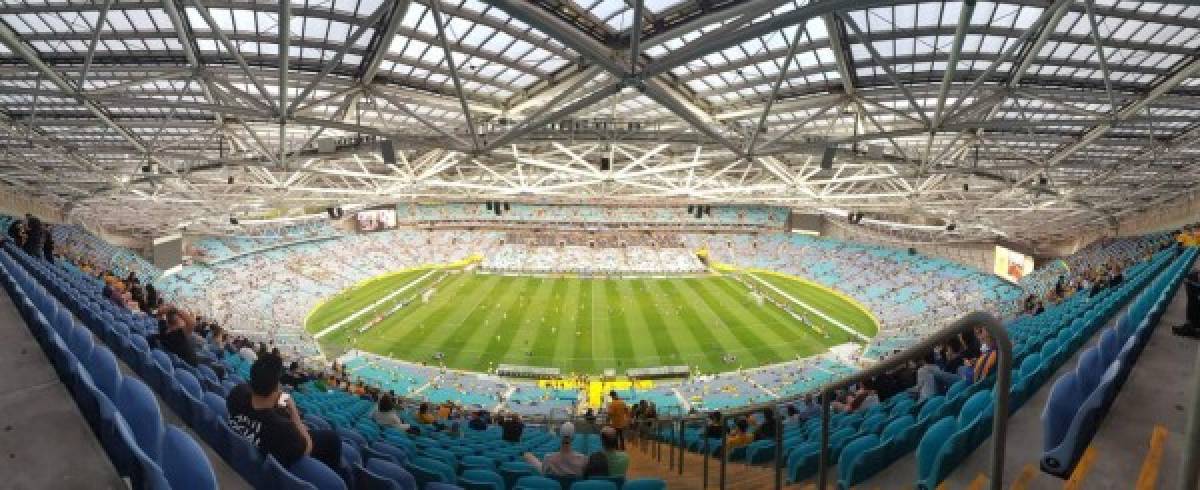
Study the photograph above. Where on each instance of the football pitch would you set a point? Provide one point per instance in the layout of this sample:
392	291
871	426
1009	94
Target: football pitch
475	321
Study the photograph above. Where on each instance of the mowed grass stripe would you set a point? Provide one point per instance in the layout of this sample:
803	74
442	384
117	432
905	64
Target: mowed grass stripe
512	345
448	311
754	337
564	346
393	330
603	334
582	356
543	343
646	317
789	334
830	304
466	344
379	336
347	302
463	319
725	332
689	333
624	347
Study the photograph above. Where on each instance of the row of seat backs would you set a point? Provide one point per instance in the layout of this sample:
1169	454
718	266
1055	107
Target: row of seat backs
203	410
122	411
948	441
1079	399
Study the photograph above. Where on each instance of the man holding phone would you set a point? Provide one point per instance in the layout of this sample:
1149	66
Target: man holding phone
267	417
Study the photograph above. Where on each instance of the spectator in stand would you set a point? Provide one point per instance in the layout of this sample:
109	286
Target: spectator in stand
385	414
740	436
511	428
260	412
714	430
476	421
16	232
982	366
48	242
175	328
767	428
618	417
34	236
565	462
931	380
151	297
618	460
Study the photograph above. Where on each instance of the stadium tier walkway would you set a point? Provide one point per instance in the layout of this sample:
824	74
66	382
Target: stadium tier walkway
1125	449
44	440
644	464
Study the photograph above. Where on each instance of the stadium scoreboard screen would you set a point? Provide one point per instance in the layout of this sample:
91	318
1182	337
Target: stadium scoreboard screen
375	220
1012	265
168	251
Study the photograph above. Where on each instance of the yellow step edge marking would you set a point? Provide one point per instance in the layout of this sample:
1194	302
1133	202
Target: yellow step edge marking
1026	476
1081	470
978	483
1148	478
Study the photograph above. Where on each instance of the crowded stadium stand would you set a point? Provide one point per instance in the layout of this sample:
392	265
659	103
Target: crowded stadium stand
599	244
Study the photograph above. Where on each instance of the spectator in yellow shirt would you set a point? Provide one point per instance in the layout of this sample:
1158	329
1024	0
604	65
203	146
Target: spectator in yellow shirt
740	436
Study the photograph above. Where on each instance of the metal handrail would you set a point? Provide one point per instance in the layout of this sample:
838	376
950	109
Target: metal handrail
917	351
1000	407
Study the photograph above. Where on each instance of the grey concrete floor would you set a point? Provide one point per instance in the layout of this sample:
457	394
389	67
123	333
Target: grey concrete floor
44	440
1155	394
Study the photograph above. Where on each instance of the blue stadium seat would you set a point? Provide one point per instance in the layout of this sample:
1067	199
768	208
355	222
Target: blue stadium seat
317	474
427	470
645	484
535	482
184	462
365	479
104	371
514	470
480	479
393	472
1110	346
398	456
849	462
140	409
277	477
931	407
931	445
593	485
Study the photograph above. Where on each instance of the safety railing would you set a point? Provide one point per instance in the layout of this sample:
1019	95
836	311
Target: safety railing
677	447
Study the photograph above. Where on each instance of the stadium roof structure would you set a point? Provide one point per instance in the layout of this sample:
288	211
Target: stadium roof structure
1025	118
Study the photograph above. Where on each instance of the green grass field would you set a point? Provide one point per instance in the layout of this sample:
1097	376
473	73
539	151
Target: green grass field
585	325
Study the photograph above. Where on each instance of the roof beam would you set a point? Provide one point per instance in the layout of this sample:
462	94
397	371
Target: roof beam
381	41
448	56
964	20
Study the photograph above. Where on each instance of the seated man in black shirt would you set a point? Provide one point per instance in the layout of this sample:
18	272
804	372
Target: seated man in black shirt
259	412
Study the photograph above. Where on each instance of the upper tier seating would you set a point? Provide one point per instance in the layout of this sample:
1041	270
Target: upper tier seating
731	217
909	294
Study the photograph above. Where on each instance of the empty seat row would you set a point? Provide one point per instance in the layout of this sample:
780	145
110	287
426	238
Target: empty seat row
121	410
1080	398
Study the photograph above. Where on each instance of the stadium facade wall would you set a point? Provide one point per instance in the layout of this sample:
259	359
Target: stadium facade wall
17	202
978	256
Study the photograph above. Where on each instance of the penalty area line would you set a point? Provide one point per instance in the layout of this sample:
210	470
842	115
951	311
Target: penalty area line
333	328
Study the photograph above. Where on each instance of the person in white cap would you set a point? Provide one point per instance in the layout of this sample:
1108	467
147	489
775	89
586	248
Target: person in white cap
566	461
